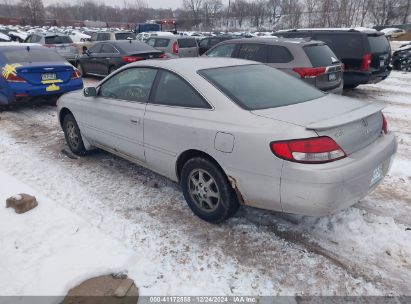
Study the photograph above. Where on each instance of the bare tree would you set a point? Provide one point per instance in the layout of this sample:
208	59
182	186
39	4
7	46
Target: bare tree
33	11
194	6
240	9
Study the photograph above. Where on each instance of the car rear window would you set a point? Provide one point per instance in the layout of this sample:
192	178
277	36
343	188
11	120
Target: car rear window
18	56
58	40
378	44
344	45
255	87
161	42
133	46
124	36
320	55
187	43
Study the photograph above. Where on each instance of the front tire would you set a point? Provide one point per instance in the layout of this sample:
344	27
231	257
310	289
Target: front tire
81	69
207	191
73	135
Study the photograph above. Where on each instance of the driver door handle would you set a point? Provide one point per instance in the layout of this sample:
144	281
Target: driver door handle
135	121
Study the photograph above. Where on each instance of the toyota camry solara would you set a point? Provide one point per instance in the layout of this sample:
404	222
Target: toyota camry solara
234	132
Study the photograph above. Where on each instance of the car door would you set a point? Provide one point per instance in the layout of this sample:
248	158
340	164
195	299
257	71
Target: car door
88	60
116	114
105	57
174	105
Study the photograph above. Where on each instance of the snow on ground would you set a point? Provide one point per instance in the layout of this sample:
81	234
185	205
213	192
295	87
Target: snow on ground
364	250
49	249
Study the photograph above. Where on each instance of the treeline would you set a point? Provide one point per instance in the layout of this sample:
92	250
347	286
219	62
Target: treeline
213	15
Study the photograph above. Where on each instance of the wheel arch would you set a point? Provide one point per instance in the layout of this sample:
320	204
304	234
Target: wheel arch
62	114
192	153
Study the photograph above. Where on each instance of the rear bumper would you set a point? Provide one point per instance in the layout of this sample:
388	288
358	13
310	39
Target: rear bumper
358	77
326	188
20	92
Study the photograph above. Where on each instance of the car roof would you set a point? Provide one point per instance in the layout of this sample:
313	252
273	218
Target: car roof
354	29
193	64
275	41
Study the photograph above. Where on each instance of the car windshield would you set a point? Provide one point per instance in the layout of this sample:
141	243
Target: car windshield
378	44
255	87
58	39
17	56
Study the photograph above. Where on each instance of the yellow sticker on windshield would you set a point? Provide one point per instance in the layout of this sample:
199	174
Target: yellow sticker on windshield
52	88
10	69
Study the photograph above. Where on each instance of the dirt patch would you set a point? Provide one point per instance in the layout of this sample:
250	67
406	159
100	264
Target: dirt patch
108	289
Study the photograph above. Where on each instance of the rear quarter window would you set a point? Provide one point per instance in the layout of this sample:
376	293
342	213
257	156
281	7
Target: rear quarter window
320	55
124	36
279	54
344	45
378	44
187	43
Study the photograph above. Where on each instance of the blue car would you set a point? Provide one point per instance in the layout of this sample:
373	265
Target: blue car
33	72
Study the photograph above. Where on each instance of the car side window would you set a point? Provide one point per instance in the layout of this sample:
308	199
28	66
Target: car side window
94	37
174	91
133	84
95	48
103	37
256	52
204	42
108	49
151	42
279	54
225	50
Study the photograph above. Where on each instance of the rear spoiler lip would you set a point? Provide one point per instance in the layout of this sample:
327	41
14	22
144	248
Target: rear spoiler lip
348	117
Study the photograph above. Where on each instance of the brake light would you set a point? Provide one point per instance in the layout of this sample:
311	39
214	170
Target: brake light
163	56
384	124
366	62
14	78
129	59
76	74
309	72
175	47
308	150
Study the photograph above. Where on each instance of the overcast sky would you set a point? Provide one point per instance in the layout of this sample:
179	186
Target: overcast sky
152	3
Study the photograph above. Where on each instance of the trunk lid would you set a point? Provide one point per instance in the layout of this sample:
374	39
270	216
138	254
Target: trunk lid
353	124
38	73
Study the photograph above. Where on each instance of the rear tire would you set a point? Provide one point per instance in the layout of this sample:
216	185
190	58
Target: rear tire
207	191
73	135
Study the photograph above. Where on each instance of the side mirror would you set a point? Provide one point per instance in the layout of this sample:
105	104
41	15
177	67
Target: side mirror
90	92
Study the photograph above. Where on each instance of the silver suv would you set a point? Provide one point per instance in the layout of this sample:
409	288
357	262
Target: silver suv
176	45
312	61
61	43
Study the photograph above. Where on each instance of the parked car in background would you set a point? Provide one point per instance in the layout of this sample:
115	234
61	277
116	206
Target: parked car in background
207	43
105	57
60	43
144	36
366	53
311	61
234	132
78	36
32	72
178	45
401	58
4	37
393	32
108	36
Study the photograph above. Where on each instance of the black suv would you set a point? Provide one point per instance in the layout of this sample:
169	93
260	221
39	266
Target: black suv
207	43
366	54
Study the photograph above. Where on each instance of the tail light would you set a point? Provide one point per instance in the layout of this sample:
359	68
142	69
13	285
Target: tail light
76	74
366	62
310	72
175	47
163	56
14	78
315	150
129	59
384	124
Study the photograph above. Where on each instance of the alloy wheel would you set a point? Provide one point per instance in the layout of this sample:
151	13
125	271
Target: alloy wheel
204	190
73	135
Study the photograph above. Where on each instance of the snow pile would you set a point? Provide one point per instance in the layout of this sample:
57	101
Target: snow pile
49	249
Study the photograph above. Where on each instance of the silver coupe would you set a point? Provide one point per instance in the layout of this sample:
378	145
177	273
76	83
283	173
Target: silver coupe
234	132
